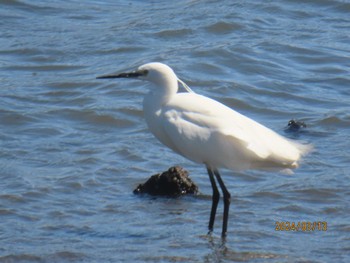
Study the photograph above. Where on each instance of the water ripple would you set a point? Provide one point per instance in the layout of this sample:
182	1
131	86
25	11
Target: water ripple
73	148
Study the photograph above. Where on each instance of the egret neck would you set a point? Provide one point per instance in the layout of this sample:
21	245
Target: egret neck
163	86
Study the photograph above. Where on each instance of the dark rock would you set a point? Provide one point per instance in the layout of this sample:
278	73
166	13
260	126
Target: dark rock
174	182
295	125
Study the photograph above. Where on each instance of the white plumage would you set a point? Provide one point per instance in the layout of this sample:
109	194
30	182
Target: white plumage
206	131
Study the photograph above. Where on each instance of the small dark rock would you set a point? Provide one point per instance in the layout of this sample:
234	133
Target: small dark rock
295	125
174	182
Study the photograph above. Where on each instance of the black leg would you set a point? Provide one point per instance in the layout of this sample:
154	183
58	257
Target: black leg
227	200
215	199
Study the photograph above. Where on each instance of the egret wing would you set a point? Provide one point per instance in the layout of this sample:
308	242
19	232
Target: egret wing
192	117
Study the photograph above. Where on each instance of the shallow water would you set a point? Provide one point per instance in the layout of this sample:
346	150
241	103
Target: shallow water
73	148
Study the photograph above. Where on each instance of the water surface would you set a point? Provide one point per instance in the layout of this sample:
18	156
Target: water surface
73	148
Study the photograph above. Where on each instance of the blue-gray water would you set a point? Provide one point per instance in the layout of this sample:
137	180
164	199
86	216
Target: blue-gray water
73	148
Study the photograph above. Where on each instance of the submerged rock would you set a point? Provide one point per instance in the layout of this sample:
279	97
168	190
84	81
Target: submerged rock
174	182
295	125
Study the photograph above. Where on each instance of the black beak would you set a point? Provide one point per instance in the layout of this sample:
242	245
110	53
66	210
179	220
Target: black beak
134	74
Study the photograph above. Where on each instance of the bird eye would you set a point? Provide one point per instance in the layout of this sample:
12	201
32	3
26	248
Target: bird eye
144	72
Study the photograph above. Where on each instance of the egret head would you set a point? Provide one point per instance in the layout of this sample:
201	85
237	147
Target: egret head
155	72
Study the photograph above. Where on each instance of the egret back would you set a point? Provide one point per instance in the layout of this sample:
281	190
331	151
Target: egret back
206	131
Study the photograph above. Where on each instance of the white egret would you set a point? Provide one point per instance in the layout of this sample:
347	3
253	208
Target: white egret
208	132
